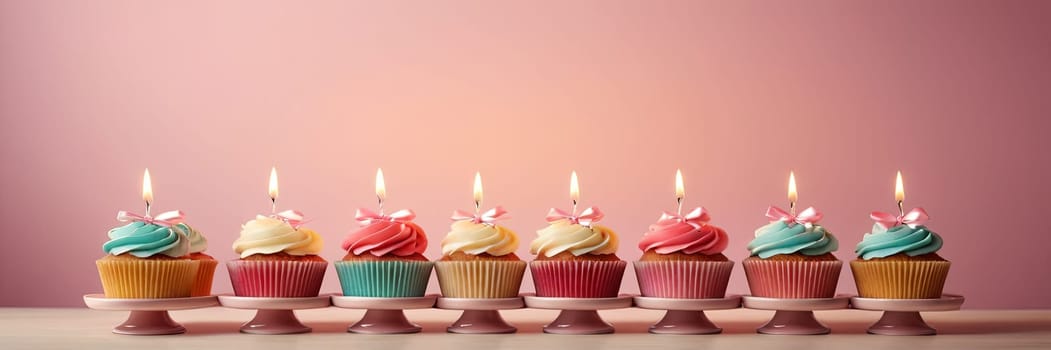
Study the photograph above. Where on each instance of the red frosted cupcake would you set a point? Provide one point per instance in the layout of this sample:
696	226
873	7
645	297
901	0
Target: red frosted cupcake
575	258
682	258
278	258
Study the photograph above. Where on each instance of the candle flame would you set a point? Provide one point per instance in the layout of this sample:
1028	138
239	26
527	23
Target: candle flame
147	187
273	183
792	195
574	188
381	188
899	189
680	190
478	189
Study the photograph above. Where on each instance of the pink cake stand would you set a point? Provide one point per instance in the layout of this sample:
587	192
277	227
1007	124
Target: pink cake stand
274	315
148	316
795	316
902	316
579	315
480	316
686	316
384	315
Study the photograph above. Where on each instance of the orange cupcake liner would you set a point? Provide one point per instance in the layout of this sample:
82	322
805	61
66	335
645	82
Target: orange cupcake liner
202	284
900	279
479	278
147	279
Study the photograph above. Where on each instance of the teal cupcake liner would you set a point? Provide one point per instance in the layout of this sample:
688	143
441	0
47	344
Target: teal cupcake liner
384	279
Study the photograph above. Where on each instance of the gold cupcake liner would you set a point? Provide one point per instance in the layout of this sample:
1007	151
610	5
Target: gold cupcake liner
147	279
480	279
202	284
900	279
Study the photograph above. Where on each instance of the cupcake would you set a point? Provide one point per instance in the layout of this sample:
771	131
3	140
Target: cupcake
791	257
202	284
147	258
385	257
575	258
682	258
478	258
278	258
899	260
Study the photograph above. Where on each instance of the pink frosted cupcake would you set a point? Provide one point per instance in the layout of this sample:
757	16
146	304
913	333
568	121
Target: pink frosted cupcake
792	257
278	258
682	258
575	258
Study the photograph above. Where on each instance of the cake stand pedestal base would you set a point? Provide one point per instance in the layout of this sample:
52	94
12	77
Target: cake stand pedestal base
274	315
795	316
902	316
579	315
384	315
148	316
686	316
480	316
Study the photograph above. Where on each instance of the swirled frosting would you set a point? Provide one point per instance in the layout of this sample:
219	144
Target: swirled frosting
563	235
383	237
267	235
144	240
912	241
779	238
476	238
198	243
683	237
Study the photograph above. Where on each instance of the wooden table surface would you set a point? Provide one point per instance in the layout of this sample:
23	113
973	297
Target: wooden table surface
215	328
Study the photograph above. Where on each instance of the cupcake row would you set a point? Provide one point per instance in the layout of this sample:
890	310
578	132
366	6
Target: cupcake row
791	256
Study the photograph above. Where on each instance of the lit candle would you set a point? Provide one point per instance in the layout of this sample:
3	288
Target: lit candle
792	195
899	194
477	192
272	190
680	190
147	190
574	190
381	189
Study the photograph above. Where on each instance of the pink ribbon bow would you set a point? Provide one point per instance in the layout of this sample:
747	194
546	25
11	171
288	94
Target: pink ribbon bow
489	216
292	217
586	217
915	217
697	217
166	219
365	216
807	216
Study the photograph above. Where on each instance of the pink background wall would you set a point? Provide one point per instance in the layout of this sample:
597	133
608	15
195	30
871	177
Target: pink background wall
209	95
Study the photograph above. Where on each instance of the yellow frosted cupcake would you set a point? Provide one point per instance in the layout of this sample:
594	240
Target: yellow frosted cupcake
478	258
147	258
278	258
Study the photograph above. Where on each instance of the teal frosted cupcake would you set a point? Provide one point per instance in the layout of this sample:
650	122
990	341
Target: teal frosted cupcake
385	257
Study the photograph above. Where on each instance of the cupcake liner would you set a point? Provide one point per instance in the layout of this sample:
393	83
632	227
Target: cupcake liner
146	278
202	284
792	279
683	279
480	278
900	279
276	279
577	279
384	278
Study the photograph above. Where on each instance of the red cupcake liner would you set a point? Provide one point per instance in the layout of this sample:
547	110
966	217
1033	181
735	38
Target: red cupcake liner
683	279
792	279
276	279
577	279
